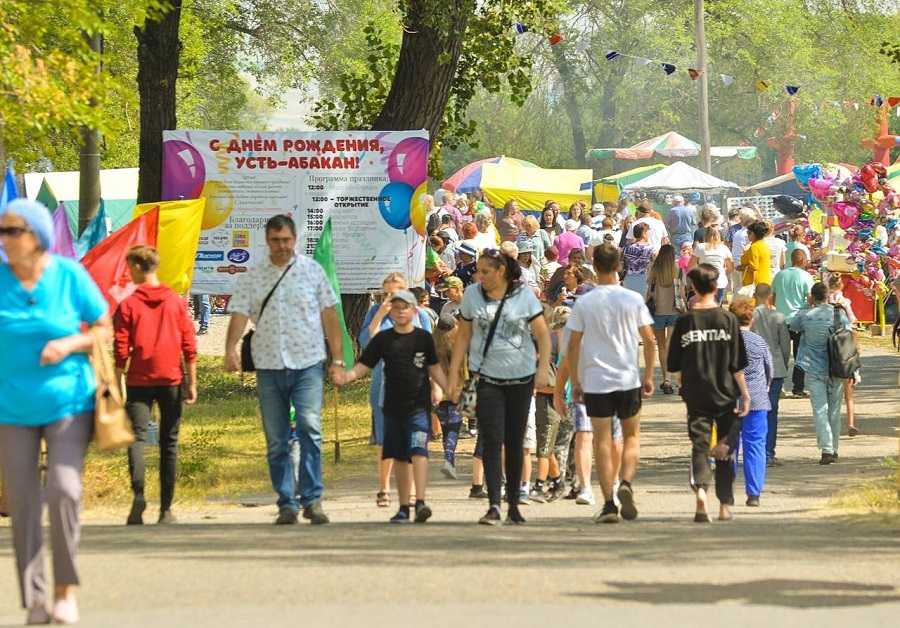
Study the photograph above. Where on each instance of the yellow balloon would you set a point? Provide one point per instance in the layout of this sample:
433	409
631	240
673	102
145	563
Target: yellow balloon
417	210
817	220
219	203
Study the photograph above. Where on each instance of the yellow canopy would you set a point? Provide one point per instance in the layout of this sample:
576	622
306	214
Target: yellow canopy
177	238
533	186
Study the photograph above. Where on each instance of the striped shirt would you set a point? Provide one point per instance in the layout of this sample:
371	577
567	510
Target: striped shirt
759	370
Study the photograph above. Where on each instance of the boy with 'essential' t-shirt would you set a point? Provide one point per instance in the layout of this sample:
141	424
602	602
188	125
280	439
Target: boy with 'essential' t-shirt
410	366
708	350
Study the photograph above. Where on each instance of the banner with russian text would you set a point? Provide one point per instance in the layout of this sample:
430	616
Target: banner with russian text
369	183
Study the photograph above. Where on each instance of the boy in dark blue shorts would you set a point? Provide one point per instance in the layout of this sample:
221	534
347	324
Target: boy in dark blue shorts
411	370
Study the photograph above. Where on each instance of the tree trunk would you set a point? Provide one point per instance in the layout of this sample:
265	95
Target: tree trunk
421	86
567	79
158	54
89	157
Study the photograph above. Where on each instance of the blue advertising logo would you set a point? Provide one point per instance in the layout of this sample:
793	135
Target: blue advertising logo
210	256
238	256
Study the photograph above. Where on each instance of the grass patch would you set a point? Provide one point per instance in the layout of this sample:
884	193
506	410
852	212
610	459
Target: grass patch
222	453
880	497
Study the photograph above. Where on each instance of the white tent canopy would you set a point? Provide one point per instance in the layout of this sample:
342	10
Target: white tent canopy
682	177
115	184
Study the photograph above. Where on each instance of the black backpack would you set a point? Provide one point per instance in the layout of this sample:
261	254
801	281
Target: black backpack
843	354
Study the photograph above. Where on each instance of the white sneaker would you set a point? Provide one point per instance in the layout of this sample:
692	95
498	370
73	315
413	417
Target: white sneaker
65	612
449	470
616	494
585	498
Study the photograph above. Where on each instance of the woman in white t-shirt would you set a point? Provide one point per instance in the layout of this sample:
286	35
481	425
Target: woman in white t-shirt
717	254
777	247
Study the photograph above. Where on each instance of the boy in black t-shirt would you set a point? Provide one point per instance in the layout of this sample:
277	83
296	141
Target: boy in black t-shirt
708	350
409	359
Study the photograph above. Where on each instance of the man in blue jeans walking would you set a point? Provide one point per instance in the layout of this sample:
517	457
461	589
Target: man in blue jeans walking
825	392
289	353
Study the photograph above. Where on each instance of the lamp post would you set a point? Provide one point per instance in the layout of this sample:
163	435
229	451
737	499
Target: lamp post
700	43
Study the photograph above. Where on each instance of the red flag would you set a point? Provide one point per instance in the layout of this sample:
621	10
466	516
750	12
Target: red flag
694	74
106	261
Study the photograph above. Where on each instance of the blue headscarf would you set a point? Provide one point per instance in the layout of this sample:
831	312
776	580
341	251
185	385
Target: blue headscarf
36	216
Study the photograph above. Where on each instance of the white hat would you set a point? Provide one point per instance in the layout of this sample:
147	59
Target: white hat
571	225
598	208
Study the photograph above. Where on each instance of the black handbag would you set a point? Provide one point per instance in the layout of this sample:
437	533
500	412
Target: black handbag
651	298
247	365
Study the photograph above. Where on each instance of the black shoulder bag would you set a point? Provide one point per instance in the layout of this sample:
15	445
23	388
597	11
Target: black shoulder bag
247	364
468	399
843	354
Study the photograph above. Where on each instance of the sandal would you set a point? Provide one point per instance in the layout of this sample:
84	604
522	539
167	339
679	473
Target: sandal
852	431
382	499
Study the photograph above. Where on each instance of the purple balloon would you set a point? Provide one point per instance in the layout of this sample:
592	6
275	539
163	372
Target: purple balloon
183	171
408	162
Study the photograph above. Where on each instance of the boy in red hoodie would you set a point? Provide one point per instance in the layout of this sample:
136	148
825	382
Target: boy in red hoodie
153	333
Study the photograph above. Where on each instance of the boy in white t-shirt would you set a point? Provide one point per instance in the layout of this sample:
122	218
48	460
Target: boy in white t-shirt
606	326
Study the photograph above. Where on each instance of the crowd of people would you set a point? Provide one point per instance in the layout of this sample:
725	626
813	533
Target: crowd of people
526	334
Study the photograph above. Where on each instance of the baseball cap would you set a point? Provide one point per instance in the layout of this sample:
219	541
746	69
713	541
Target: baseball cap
467	249
525	246
405	296
598	208
450	282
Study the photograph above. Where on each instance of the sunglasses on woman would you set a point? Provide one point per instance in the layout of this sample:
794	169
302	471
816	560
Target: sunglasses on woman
13	232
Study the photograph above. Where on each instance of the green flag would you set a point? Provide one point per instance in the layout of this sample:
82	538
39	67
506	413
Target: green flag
45	195
324	255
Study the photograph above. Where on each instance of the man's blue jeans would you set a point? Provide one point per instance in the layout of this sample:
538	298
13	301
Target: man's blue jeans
205	310
826	395
277	389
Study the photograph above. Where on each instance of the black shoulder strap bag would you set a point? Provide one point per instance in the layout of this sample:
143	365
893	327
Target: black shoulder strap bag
247	364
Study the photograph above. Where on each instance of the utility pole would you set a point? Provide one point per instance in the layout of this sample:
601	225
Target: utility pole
89	158
700	43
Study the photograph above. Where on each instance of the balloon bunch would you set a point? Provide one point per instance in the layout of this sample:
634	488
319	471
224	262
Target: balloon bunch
858	203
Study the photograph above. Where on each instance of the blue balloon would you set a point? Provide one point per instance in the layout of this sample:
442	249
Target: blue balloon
804	172
394	204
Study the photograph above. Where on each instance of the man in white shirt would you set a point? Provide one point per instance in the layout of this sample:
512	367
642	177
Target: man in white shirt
657	230
291	303
606	325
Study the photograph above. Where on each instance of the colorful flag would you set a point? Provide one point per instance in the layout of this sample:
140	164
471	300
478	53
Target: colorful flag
893	101
106	261
95	232
694	74
761	85
668	68
178	236
642	61
324	255
612	54
792	89
63	243
727	79
45	195
8	192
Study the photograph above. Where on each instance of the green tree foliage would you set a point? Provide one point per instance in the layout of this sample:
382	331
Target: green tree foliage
47	77
489	61
831	52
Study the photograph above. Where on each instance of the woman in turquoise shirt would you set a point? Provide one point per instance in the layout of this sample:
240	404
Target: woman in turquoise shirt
46	393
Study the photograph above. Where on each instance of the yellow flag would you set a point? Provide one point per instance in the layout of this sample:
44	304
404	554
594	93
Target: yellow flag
177	239
761	85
